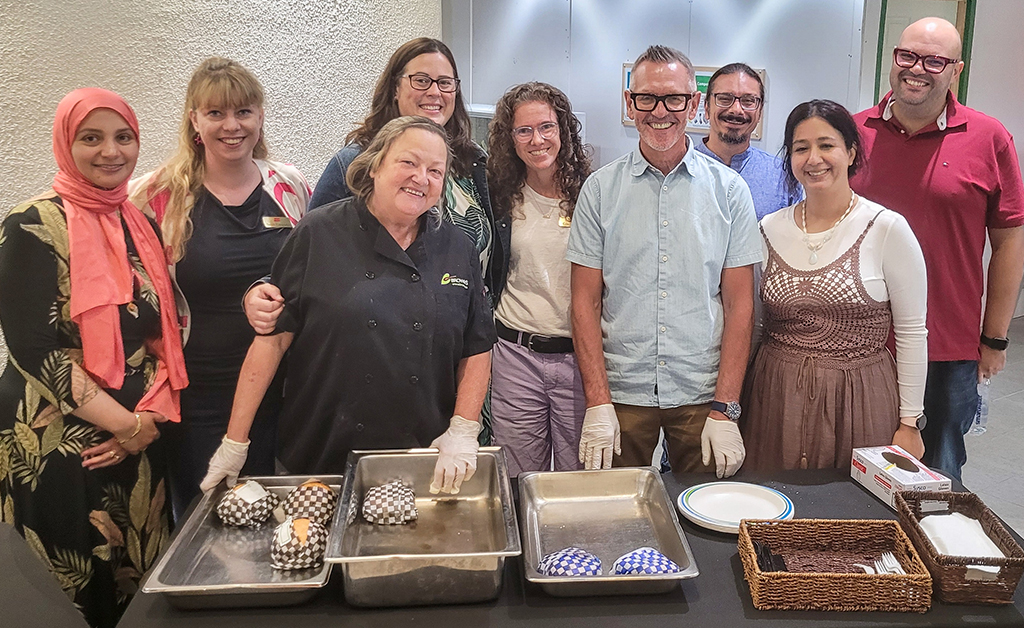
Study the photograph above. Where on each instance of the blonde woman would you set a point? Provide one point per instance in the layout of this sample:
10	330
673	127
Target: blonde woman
225	211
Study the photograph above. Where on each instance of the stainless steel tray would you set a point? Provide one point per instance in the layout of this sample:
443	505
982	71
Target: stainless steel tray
211	565
453	553
608	513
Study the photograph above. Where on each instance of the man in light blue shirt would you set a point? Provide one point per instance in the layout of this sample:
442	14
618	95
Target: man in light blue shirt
734	106
662	246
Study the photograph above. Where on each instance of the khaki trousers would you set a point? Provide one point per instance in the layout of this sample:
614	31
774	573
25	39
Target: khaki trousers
639	429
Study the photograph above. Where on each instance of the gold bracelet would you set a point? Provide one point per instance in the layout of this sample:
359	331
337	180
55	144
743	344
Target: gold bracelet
138	428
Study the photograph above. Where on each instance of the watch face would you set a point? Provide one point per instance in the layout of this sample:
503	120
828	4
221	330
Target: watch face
733	411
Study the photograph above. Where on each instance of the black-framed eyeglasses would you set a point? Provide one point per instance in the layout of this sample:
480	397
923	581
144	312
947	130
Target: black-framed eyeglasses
422	82
524	134
932	64
747	102
649	102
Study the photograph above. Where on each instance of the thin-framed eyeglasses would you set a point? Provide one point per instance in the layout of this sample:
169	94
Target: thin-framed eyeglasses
649	102
422	82
747	102
932	64
524	134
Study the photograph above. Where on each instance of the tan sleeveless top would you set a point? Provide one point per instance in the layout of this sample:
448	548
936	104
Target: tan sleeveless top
825	313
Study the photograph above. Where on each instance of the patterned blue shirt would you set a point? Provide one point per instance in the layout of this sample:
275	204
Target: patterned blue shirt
661	243
764	176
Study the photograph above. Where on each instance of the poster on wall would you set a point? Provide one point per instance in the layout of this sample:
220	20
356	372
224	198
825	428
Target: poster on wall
700	123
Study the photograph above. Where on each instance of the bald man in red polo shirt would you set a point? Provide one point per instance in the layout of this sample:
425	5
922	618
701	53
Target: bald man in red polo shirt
953	172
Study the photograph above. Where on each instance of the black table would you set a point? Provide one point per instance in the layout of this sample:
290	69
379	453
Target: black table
29	595
718	597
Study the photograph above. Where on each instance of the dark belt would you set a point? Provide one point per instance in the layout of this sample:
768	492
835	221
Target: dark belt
534	342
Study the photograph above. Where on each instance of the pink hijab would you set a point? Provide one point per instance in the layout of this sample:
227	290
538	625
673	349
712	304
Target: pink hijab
101	276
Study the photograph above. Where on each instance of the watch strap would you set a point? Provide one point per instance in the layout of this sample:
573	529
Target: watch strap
999	344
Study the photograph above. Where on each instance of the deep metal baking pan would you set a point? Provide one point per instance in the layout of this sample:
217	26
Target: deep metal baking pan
453	553
608	513
211	565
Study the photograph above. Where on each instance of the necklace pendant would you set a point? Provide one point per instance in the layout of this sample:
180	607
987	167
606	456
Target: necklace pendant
813	259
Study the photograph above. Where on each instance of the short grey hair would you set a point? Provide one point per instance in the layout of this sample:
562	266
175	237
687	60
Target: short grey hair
665	54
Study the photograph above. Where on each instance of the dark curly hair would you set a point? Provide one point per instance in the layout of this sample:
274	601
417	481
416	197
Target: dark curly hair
837	117
384	106
506	172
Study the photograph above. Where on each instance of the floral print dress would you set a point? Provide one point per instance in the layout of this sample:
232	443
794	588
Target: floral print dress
97	530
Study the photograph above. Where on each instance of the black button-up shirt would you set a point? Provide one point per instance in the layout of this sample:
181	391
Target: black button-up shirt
379	334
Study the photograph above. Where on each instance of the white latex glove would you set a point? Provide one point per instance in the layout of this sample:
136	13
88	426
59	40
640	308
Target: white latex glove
599	437
722	437
227	462
456	459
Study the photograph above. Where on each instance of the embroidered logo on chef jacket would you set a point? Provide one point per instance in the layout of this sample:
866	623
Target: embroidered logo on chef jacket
450	279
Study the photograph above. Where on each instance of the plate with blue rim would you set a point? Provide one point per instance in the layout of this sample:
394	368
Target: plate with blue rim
720	506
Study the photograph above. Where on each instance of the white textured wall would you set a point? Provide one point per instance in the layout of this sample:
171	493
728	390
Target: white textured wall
317	60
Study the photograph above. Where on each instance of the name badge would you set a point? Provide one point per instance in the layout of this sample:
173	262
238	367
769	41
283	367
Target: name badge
276	222
564	221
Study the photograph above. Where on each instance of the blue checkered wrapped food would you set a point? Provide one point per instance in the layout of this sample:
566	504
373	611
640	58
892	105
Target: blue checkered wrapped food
644	561
571	561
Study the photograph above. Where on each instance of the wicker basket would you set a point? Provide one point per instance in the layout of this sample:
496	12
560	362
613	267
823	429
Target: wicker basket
834	591
950	572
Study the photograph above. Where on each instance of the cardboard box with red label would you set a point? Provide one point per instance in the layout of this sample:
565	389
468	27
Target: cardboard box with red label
885	470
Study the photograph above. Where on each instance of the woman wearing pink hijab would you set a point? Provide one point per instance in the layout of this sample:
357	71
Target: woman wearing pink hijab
95	364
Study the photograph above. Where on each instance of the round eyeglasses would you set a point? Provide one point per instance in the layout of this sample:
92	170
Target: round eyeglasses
932	64
422	82
649	102
747	102
524	134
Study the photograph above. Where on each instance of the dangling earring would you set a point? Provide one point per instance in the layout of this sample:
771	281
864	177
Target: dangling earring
198	140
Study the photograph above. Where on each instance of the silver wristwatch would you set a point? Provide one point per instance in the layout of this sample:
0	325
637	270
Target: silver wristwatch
731	410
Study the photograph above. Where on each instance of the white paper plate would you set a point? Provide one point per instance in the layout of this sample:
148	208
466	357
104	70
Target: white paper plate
719	506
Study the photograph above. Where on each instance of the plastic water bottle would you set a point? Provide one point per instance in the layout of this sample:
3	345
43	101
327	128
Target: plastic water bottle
980	423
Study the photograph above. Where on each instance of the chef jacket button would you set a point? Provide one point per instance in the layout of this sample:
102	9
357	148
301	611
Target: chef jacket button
362	227
418	326
370	275
414	380
371	323
369	377
359	427
415	277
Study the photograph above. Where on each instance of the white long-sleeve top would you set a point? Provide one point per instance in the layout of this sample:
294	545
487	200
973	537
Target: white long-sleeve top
891	267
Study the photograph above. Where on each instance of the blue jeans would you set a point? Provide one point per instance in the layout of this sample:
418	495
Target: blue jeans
950	403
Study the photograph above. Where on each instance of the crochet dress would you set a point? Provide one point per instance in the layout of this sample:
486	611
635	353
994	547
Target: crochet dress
822	382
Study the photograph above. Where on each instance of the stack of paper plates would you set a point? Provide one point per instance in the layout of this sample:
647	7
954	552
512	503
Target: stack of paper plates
719	506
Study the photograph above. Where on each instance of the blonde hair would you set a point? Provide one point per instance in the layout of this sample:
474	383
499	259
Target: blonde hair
358	176
221	83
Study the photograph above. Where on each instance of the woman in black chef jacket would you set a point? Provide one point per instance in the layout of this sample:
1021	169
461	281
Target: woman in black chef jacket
386	318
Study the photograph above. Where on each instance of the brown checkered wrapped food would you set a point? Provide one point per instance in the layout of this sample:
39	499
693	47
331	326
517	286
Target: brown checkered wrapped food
312	500
298	544
247	504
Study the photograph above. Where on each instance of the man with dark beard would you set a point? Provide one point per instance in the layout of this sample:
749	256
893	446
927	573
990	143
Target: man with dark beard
734	104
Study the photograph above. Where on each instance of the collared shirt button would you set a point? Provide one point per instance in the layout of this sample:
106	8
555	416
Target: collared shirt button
362	227
417	326
414	380
664	294
415	277
664	223
664	258
359	427
664	329
371	323
661	362
370	274
665	188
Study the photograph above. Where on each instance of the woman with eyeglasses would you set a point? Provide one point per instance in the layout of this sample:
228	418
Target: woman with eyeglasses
537	166
840	271
420	79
